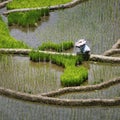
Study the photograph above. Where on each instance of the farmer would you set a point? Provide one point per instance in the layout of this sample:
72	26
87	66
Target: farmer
83	48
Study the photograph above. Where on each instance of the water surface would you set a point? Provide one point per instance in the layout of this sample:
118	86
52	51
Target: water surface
12	109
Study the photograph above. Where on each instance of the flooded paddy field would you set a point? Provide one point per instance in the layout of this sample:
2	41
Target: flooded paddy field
20	74
12	109
97	21
101	72
106	93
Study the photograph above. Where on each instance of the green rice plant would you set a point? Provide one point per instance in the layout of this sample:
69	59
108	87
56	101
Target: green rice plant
38	56
46	12
56	47
73	75
28	18
64	60
6	41
34	3
58	60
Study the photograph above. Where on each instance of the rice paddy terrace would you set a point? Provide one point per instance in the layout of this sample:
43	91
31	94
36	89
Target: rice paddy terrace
36	85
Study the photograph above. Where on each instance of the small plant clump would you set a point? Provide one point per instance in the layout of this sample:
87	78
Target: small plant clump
59	59
56	47
28	18
6	41
73	75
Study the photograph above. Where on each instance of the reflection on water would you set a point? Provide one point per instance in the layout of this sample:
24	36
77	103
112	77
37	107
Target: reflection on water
100	72
96	20
19	73
11	109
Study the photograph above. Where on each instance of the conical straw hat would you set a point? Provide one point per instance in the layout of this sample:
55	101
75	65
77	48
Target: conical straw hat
80	42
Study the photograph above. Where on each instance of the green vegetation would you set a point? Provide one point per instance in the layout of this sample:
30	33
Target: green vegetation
34	3
28	18
6	41
56	47
73	75
59	59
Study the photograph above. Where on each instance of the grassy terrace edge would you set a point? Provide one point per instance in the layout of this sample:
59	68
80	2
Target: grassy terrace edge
34	4
51	8
6	41
17	19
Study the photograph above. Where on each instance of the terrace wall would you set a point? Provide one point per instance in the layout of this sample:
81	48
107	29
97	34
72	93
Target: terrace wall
66	102
51	8
114	50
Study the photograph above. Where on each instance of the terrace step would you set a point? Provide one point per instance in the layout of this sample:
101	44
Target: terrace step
99	58
63	102
56	7
114	50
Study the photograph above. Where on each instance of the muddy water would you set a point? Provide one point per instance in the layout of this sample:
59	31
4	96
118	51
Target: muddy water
19	73
11	109
96	20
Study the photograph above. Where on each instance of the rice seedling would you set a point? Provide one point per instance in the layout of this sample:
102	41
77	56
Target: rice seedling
29	18
66	60
56	47
72	75
32	3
